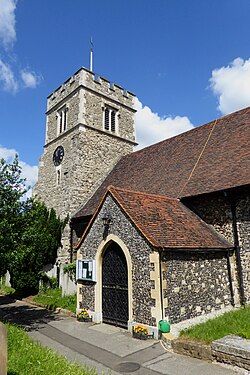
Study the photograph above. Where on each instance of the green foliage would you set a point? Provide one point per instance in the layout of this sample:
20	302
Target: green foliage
38	244
12	190
28	357
52	298
48	282
234	322
30	234
70	269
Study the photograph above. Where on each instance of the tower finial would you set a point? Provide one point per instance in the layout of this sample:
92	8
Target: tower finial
91	54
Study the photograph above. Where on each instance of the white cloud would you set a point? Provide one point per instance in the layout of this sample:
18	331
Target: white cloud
151	128
231	85
7	22
7	154
12	82
30	79
29	172
7	77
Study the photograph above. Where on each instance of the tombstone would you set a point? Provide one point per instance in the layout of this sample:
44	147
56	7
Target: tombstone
3	350
7	279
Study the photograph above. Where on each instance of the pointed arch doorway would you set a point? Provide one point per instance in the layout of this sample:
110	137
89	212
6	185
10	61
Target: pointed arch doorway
115	286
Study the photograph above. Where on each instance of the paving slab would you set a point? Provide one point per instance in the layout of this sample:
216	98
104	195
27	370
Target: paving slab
110	349
70	354
114	339
234	345
176	364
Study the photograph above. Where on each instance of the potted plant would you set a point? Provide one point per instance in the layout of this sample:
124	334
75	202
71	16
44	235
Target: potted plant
83	316
140	332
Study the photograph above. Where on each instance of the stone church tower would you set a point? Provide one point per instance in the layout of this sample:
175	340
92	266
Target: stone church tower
89	127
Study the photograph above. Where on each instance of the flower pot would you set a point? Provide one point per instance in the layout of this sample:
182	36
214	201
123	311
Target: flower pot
84	319
140	335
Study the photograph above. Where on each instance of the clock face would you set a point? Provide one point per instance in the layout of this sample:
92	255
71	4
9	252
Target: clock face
58	155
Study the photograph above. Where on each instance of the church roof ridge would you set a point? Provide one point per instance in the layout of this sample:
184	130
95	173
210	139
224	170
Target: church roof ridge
137	192
170	166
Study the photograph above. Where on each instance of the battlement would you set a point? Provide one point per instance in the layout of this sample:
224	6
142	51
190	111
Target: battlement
91	82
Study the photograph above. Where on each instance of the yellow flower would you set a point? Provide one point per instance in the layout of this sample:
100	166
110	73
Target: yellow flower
139	328
83	314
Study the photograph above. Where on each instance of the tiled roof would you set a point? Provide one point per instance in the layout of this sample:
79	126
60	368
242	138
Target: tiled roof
166	222
208	158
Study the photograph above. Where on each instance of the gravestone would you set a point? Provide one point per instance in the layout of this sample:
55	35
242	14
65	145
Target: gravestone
3	350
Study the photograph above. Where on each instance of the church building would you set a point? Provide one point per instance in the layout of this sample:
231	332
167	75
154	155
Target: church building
163	232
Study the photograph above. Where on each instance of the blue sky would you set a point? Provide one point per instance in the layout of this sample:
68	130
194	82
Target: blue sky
188	62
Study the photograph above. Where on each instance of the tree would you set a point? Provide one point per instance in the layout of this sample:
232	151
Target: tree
12	190
30	234
38	244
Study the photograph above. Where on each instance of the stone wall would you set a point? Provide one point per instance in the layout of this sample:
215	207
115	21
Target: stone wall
88	158
139	251
215	209
196	284
243	225
85	95
72	102
100	93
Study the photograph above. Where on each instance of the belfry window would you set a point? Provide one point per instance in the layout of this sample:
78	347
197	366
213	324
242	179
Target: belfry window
110	119
62	119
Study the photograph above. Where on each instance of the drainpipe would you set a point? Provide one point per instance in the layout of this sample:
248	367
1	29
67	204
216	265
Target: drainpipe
230	279
71	241
161	290
237	251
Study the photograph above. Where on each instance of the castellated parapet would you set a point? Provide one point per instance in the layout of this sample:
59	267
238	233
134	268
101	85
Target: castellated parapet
79	120
86	96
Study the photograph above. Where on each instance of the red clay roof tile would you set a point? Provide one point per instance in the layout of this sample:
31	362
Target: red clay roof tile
208	158
166	222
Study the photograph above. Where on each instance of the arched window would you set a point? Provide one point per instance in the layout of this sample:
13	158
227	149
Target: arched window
62	119
110	119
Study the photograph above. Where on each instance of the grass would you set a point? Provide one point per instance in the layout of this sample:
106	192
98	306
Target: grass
234	322
52	298
26	357
4	290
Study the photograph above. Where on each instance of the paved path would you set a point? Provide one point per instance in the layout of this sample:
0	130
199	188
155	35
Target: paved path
109	349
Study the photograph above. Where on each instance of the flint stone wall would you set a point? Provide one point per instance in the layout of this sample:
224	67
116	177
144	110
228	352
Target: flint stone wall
196	284
139	251
215	210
